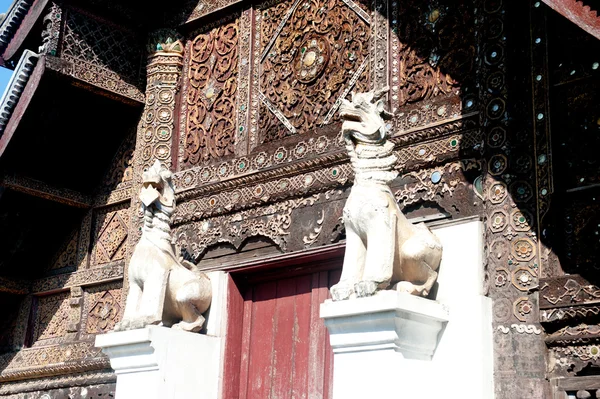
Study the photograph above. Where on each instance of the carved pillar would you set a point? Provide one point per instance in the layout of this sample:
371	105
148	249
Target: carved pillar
512	259
157	124
158	120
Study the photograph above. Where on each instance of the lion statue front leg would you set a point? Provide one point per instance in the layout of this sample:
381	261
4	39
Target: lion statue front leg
370	244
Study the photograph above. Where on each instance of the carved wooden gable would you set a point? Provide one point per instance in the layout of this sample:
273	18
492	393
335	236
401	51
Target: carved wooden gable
272	72
262	86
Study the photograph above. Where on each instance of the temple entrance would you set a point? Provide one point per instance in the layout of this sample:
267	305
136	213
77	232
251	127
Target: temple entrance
281	348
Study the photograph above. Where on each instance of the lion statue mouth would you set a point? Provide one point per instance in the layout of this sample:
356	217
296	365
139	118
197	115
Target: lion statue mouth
363	117
157	186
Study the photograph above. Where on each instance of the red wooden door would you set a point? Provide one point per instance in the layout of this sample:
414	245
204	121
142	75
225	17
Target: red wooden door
285	352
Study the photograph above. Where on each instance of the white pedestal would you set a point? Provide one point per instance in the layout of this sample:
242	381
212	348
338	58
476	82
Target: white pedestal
376	340
162	363
384	346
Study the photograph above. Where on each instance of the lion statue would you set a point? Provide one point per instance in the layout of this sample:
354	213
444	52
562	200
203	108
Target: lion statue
162	289
383	248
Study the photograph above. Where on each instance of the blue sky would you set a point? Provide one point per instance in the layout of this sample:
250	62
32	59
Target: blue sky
4	73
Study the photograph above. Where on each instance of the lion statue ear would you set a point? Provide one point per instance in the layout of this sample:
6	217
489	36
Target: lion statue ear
379	100
380	93
166	174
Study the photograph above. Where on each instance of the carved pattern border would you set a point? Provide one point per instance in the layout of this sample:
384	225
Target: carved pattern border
84	277
52	360
59	381
306	152
312	176
379	45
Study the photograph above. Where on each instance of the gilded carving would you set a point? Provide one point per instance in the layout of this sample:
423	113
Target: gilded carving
312	55
522	308
51	33
110	236
211	95
109	272
117	182
271	221
102	308
524	279
67	255
498	221
52	360
59	381
433	51
101	54
431	183
523	249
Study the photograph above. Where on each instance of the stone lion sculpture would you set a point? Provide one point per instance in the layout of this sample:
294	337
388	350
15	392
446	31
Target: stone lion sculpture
162	289
383	248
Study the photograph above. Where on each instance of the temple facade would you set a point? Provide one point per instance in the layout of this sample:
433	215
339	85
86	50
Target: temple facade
494	118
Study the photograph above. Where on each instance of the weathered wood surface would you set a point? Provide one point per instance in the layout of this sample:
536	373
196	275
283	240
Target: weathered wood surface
285	350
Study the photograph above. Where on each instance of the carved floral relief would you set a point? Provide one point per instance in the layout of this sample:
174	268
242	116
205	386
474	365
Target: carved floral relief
102	308
110	235
211	95
312	54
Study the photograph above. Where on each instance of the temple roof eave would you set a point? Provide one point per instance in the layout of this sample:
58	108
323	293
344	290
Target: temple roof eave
14	90
12	21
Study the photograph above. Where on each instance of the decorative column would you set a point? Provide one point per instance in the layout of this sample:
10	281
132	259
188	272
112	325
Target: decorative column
156	126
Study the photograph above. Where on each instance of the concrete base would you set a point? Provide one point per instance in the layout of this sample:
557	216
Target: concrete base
372	337
389	320
159	362
390	346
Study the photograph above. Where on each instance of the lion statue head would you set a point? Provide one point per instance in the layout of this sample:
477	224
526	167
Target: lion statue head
157	186
364	117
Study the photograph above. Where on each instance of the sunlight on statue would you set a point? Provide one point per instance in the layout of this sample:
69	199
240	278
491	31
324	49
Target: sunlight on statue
383	248
162	289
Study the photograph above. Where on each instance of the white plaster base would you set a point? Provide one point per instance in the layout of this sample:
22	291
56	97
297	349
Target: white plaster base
373	358
159	362
373	338
388	320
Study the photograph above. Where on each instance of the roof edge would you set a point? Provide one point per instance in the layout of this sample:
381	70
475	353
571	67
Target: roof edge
12	21
15	86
